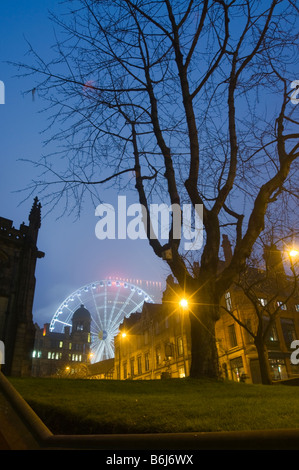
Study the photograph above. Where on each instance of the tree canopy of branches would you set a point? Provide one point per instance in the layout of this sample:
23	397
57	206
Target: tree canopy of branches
185	102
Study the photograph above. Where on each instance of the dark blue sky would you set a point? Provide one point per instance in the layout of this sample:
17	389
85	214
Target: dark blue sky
74	256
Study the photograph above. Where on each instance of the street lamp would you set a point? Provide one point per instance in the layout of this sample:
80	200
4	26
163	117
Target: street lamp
184	305
123	334
293	253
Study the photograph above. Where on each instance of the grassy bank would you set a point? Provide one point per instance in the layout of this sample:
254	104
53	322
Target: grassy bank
183	405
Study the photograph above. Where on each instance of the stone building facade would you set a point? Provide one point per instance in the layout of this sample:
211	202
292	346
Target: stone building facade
18	257
156	342
153	344
275	295
64	354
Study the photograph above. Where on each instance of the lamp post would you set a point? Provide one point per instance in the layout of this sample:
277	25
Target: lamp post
293	254
122	335
184	306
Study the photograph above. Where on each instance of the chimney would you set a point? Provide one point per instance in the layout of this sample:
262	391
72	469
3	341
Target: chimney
227	249
273	259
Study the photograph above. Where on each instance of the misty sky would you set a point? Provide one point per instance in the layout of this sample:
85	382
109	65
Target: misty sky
74	256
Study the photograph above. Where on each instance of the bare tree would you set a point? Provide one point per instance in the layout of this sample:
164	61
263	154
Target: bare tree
181	101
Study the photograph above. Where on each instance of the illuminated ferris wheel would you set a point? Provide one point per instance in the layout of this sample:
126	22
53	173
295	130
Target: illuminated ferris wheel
108	302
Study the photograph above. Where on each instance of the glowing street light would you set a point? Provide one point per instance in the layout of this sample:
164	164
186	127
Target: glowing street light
123	335
293	253
184	303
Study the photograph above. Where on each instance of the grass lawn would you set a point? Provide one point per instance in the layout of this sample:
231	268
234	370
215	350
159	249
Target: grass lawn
176	405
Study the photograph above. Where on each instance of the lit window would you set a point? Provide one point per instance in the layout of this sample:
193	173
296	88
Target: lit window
228	301
297	307
182	372
158	355
60	344
281	305
180	346
263	302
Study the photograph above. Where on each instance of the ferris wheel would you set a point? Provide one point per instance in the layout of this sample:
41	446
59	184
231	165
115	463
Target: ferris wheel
108	302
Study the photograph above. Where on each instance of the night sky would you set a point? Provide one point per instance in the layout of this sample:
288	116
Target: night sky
73	254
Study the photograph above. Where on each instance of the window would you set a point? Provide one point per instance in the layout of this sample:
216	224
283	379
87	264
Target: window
168	350
139	365
263	302
228	302
237	369
232	336
278	369
125	370
297	307
145	334
146	361
132	367
248	337
158	355
180	346
273	336
288	329
61	344
281	305
182	372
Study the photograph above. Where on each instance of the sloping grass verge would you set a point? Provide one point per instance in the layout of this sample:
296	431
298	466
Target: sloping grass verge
166	406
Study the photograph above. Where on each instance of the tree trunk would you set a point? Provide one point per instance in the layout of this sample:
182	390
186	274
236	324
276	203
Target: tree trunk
263	361
203	317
